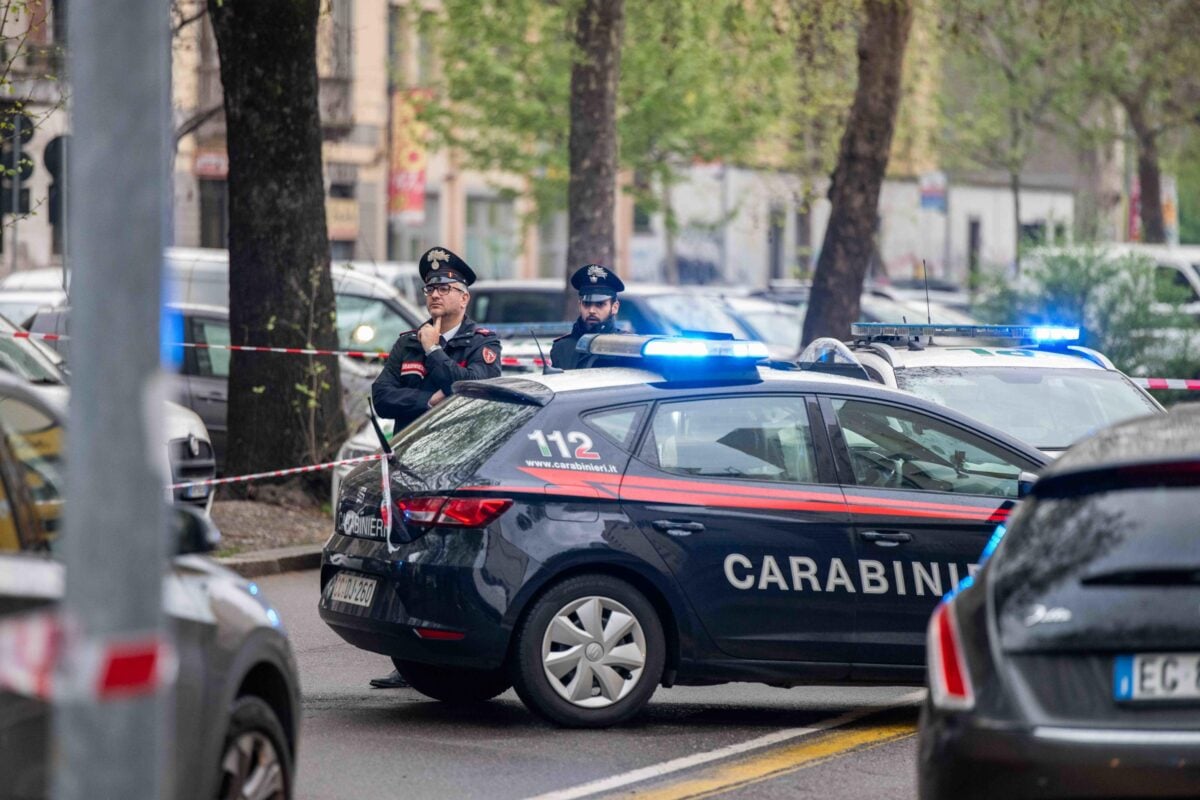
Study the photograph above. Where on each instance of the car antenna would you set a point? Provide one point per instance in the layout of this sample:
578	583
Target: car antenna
546	368
928	308
383	441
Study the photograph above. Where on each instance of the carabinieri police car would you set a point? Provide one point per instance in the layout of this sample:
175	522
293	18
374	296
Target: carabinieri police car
694	518
1032	381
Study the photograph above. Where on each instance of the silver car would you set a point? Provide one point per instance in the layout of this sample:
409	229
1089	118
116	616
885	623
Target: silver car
237	705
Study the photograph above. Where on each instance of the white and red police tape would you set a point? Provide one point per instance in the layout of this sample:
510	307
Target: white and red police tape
33	644
277	473
241	348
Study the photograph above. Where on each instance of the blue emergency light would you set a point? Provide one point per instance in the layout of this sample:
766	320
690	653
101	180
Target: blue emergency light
1042	334
679	358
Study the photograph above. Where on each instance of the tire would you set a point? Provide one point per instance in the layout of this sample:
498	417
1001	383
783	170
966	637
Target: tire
255	752
620	668
454	685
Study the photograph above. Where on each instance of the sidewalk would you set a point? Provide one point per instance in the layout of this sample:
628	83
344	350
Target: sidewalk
259	538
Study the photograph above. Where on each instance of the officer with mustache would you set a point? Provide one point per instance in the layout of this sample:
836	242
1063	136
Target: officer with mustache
598	305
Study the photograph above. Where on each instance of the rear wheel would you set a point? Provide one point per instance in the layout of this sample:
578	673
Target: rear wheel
454	684
255	762
590	652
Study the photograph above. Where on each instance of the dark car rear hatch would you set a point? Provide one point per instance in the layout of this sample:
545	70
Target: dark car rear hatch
1103	565
441	450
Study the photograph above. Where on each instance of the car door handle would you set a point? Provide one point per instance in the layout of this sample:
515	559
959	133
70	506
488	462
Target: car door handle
676	528
219	397
886	538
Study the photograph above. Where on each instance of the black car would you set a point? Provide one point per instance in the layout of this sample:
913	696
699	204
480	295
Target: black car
1071	666
236	710
590	535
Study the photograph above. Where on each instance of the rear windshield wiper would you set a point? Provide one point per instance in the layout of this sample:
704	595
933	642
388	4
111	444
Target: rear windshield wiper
1148	576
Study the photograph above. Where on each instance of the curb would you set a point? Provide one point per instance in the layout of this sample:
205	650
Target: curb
274	562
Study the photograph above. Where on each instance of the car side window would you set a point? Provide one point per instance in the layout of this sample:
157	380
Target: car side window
894	447
35	442
1171	285
618	425
211	363
751	437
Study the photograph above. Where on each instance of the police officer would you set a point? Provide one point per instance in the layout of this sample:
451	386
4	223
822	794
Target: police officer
598	304
425	363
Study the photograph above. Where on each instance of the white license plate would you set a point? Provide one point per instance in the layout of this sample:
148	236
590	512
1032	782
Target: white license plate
1157	676
193	492
352	589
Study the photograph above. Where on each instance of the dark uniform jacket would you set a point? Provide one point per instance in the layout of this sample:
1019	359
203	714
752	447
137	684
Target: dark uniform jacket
410	377
563	353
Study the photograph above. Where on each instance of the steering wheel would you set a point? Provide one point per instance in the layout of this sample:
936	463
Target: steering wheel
876	469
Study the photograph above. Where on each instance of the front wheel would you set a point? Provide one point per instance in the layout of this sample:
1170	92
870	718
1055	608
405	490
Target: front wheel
454	685
590	653
255	762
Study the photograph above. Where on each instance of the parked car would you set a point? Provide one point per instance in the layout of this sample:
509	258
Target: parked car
236	708
1070	667
403	276
188	455
648	308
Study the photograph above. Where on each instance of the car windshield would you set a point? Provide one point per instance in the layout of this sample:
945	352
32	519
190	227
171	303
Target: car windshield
776	326
1049	408
23	359
689	312
367	323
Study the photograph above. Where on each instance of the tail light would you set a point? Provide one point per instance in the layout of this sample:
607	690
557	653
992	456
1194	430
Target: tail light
949	681
452	512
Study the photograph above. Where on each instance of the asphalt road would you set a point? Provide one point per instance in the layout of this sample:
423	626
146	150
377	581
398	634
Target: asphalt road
735	741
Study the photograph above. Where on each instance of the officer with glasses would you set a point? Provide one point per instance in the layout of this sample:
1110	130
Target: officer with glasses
425	363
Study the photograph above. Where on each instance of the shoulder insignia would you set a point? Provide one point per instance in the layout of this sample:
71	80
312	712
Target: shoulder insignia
484	331
489	355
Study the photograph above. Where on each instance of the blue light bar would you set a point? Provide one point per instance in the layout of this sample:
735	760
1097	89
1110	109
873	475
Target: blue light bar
1026	333
671	347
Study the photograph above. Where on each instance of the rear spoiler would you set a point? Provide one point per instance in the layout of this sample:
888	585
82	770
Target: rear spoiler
507	390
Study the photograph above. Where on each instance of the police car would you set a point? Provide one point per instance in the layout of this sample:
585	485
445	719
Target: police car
1034	382
694	518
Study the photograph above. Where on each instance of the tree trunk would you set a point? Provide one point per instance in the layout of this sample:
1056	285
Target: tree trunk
670	257
862	163
1014	185
591	191
283	410
1154	229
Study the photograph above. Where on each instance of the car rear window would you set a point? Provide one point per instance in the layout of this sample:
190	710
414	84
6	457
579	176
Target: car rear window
1143	535
458	436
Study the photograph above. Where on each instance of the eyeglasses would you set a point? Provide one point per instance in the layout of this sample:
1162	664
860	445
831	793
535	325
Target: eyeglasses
441	288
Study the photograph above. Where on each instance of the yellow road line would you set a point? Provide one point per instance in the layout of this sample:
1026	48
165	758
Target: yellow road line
779	762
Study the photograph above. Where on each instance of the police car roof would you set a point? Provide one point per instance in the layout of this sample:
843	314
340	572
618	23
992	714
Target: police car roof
977	353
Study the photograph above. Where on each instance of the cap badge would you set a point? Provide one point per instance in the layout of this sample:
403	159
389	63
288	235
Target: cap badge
597	273
437	255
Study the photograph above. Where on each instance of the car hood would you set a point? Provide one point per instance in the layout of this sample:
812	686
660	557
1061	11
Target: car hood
180	422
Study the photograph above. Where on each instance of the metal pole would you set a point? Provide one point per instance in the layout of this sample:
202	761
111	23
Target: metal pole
16	185
114	542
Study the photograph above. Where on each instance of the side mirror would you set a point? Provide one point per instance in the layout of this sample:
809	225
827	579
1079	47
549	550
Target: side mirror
194	532
1025	482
